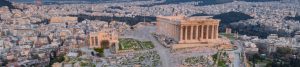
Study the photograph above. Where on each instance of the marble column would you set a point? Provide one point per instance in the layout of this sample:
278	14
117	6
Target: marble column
207	31
213	32
91	41
181	32
210	31
217	31
191	32
202	31
186	28
94	41
197	32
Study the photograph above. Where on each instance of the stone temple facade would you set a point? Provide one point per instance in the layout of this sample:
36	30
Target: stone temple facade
189	31
105	38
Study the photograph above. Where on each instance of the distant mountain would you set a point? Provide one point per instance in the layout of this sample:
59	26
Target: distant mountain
259	0
178	1
76	1
212	2
230	17
203	2
296	18
6	3
128	20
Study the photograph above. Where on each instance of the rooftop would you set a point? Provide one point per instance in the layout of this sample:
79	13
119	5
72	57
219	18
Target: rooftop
182	19
200	18
62	19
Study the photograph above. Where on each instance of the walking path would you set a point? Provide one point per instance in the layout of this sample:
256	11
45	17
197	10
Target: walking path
163	52
237	57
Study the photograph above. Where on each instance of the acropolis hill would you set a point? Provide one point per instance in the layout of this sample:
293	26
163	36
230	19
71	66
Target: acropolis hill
149	33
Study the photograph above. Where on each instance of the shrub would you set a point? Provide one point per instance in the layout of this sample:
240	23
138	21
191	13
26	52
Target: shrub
100	51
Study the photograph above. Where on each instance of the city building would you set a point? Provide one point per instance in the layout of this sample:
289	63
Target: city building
250	47
189	31
41	41
69	20
1	44
297	36
228	30
57	64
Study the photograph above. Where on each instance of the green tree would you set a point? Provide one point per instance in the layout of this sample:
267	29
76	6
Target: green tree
284	51
100	51
56	59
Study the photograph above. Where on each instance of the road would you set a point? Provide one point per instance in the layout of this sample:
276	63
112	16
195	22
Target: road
163	52
237	57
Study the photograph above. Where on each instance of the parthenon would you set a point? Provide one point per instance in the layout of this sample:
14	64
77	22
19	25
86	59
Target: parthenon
189	31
